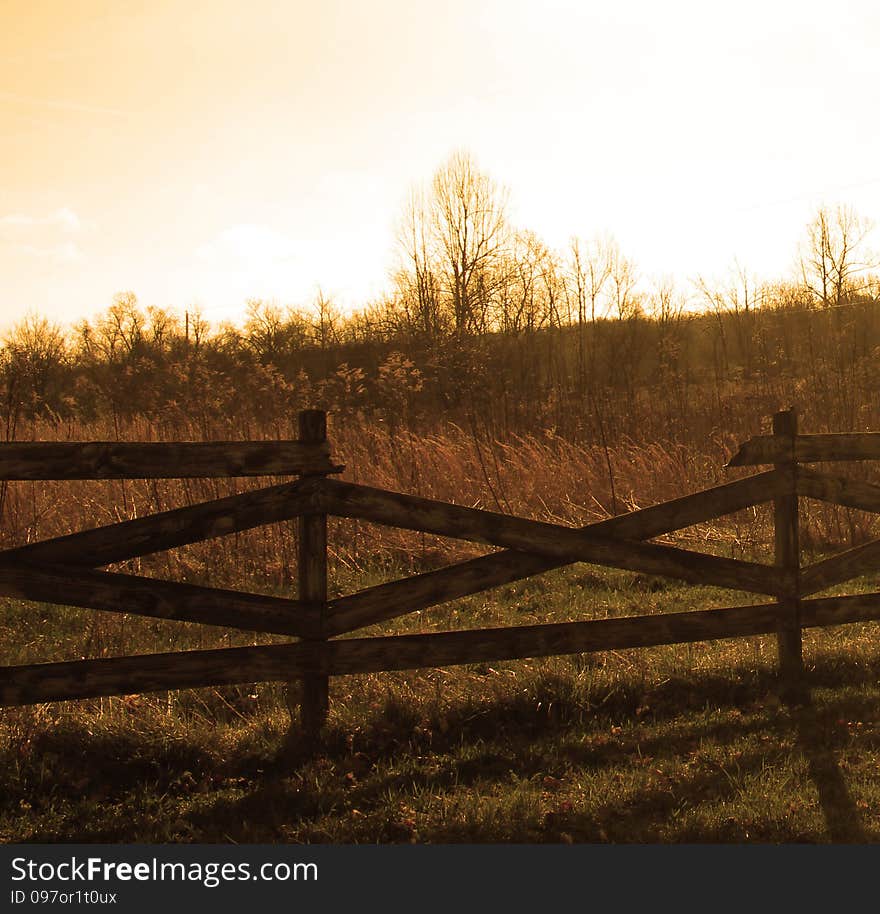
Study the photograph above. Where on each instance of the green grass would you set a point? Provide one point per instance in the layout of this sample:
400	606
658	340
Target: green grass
675	744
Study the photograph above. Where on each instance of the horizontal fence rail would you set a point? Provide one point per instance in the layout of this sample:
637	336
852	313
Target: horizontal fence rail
277	662
65	569
161	460
764	449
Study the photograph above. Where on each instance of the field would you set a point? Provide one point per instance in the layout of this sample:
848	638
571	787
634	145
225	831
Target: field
239	393
675	744
660	745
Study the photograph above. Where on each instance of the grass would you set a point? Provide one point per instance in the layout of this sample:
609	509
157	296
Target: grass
683	743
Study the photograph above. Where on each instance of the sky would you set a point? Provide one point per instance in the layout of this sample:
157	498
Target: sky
203	152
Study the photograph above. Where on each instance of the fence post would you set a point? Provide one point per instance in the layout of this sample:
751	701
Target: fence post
314	697
792	688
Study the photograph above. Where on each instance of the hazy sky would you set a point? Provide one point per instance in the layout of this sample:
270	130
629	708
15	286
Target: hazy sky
200	153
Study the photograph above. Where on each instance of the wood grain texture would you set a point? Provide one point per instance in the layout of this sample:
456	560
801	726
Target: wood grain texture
562	544
312	583
396	598
849	493
124	593
32	683
191	669
789	637
161	460
696	508
847	565
825	611
178	527
764	449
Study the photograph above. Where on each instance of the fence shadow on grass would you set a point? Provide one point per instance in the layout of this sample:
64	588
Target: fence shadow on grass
157	792
842	816
503	737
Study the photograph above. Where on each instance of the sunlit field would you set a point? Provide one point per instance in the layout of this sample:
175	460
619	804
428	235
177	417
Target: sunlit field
675	744
684	743
495	373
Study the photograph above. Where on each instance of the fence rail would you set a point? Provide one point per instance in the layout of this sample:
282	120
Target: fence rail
780	448
162	460
66	570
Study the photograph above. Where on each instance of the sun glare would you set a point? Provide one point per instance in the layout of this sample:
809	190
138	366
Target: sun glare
243	162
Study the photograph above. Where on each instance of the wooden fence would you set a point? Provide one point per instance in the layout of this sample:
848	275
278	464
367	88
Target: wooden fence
65	570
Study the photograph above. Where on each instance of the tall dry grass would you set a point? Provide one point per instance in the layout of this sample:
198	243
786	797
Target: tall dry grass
544	477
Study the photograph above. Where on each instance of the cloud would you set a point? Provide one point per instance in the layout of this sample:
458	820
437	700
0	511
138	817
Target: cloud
46	238
67	219
248	245
64	219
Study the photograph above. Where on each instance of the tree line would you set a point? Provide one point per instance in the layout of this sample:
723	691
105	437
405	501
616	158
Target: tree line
486	327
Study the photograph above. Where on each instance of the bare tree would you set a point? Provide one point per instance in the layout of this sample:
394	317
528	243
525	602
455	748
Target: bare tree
326	321
417	281
33	356
264	329
666	304
588	273
623	278
470	231
833	254
525	285
197	328
734	301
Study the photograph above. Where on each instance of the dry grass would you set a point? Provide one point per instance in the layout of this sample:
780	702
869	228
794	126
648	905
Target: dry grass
681	743
543	477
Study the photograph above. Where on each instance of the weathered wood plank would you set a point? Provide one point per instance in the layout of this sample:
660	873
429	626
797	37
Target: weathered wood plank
70	680
761	449
312	582
169	529
696	508
551	540
840	568
33	683
125	675
71	586
395	509
161	460
787	555
764	449
816	448
387	601
826	611
430	588
518	642
838	490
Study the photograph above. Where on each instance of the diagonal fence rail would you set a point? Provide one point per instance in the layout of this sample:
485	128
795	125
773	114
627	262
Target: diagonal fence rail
67	569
